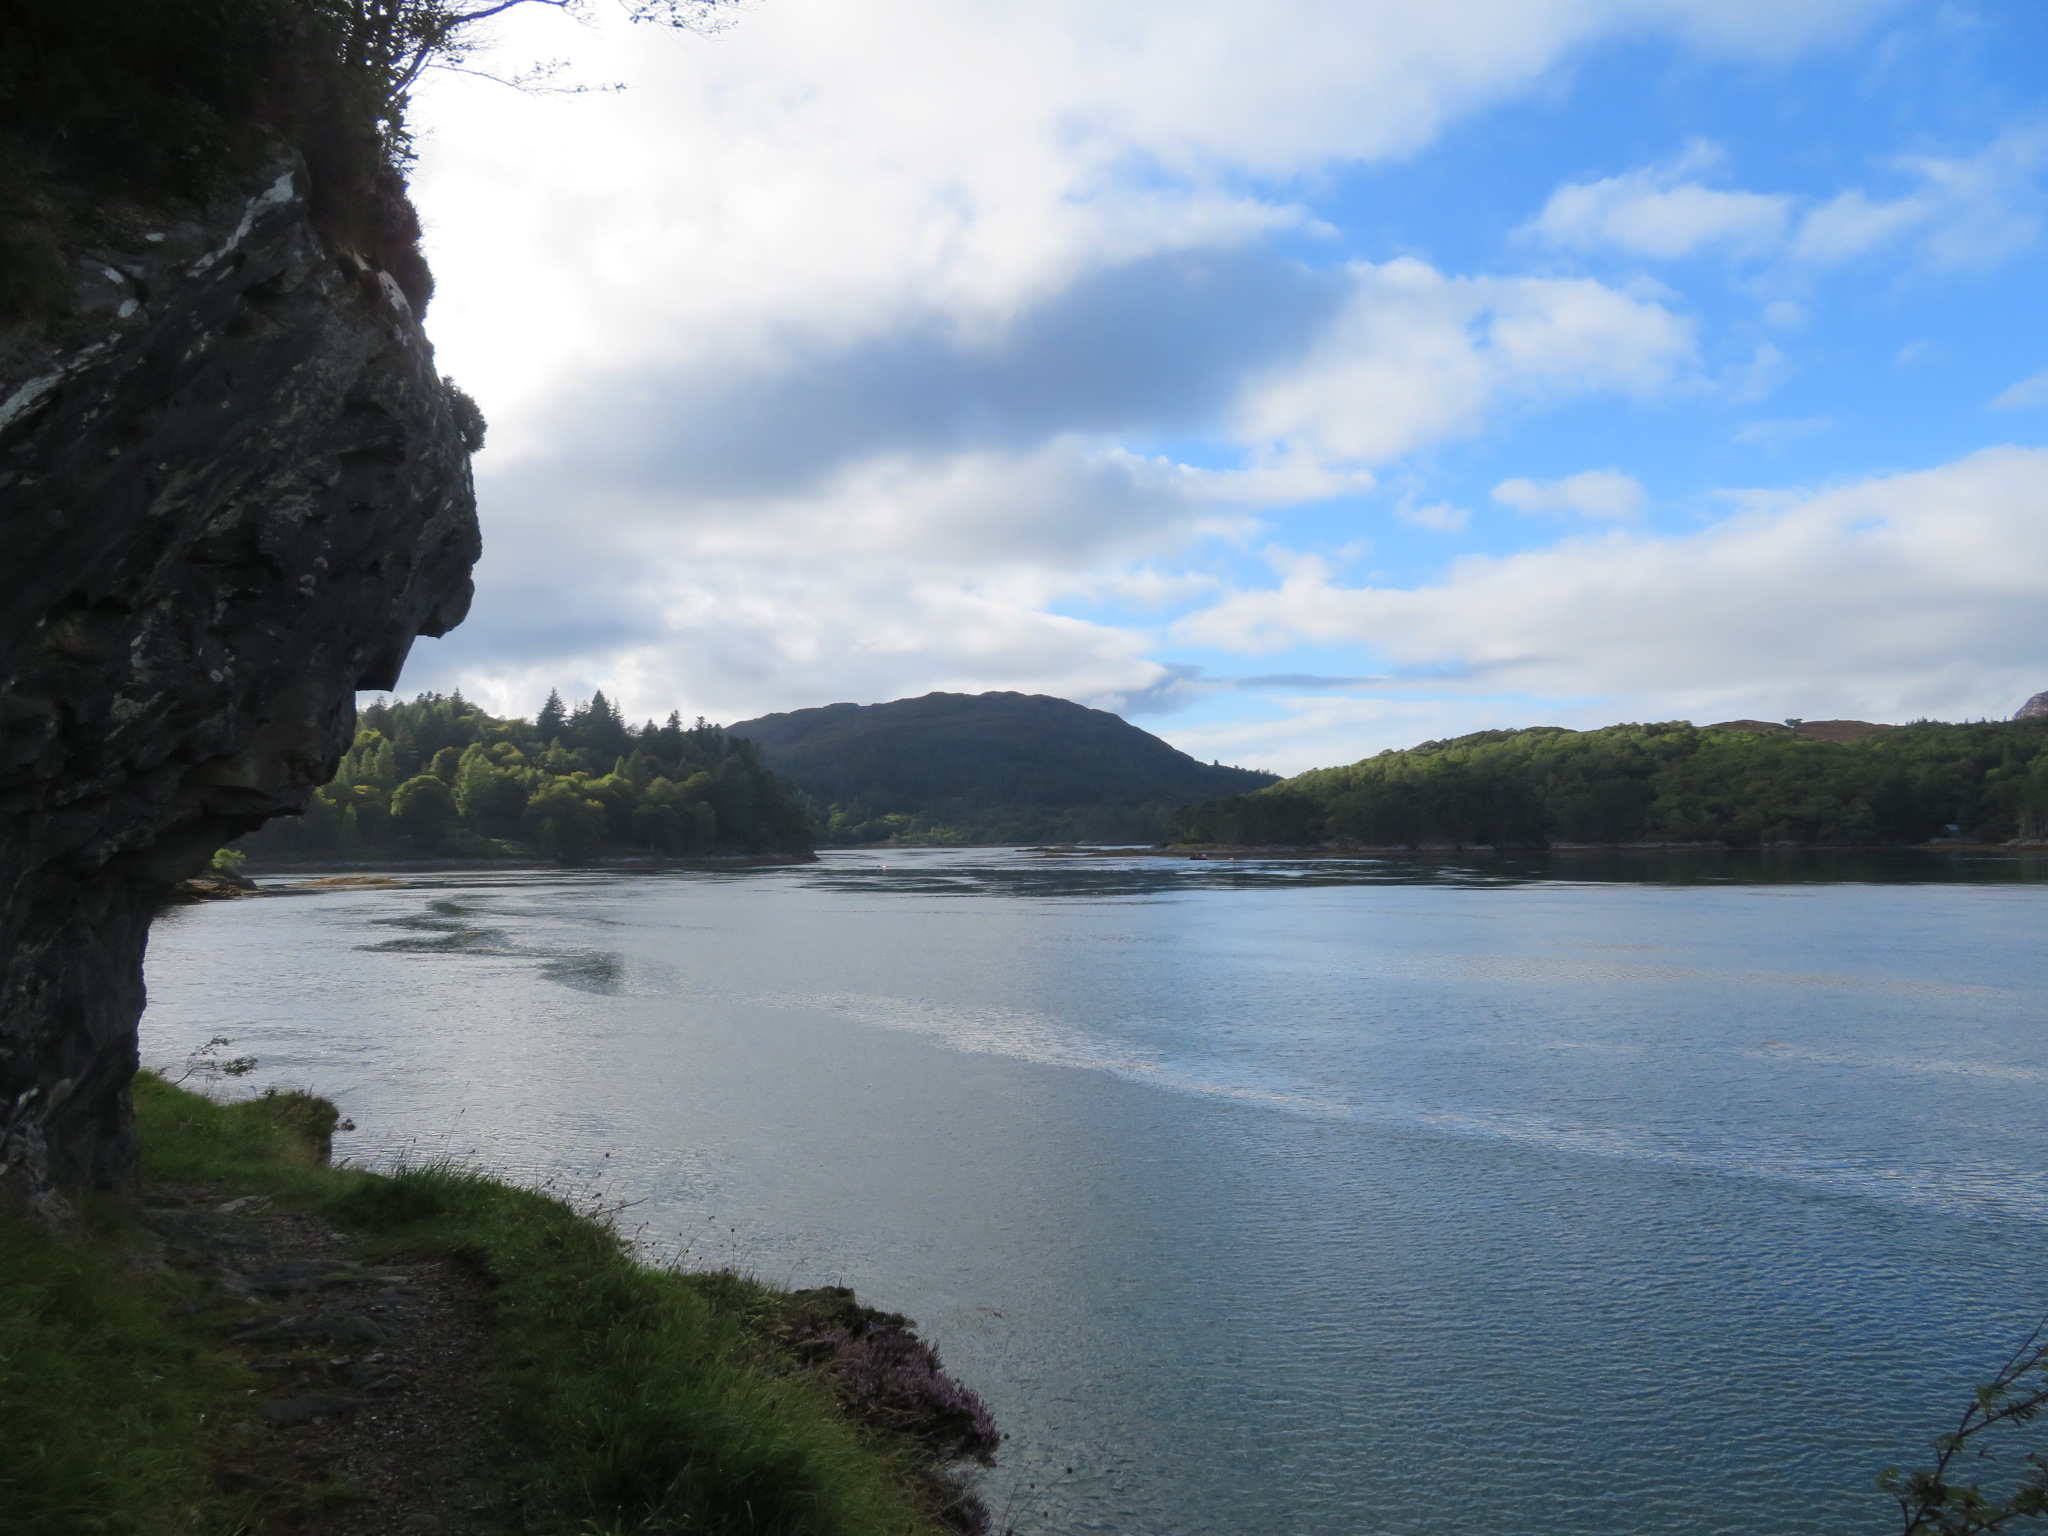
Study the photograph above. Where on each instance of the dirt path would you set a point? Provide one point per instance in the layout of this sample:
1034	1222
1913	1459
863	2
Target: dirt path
365	1424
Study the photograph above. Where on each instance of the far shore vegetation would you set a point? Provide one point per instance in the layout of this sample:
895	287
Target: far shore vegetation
1667	783
438	777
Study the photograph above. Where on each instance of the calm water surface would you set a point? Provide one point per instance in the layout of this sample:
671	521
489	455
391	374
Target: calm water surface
1262	1198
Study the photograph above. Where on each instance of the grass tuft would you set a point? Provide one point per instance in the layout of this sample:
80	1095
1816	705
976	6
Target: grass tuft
277	1140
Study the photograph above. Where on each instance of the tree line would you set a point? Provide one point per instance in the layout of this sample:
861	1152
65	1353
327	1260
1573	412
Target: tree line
857	824
1671	782
440	776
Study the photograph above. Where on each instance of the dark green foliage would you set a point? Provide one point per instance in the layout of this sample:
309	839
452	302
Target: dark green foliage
423	809
140	101
438	775
469	416
1933	1500
984	768
1670	782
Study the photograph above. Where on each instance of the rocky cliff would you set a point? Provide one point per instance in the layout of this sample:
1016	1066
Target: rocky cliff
233	489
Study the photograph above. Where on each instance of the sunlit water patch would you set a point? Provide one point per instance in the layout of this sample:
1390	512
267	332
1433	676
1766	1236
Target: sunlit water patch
1566	1195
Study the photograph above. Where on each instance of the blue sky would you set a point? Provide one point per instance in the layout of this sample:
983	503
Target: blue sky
1298	381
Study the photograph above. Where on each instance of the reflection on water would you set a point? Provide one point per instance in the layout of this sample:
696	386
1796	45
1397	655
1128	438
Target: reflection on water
1511	1193
1053	872
449	927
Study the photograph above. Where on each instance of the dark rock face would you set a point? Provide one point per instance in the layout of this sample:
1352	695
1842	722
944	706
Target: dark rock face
232	491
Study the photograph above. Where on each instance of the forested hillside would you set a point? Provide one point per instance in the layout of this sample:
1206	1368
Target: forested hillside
1671	782
985	768
440	776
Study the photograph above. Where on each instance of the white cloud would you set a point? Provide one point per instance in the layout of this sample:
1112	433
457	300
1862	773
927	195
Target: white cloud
1658	212
1593	493
2023	395
1852	222
1320	730
900	575
1964	211
1779	434
1923	592
1958	211
1766	369
1441	516
825	173
1416	357
750	333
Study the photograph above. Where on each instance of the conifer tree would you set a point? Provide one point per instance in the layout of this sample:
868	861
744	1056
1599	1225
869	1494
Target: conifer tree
553	720
599	728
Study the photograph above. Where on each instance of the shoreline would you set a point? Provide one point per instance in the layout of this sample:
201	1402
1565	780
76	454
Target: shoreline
458	861
1381	850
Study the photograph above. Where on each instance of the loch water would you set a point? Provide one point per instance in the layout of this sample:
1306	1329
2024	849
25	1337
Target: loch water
1567	1195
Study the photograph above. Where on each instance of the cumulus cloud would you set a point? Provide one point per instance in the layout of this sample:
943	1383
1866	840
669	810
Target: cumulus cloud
1321	729
1591	493
1416	356
1313	376
854	353
1954	211
1160	342
736	635
908	513
1887	597
1966	211
826	174
1660	211
1441	516
2023	395
895	575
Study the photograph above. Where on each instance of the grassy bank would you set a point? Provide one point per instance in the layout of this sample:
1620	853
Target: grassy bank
616	1398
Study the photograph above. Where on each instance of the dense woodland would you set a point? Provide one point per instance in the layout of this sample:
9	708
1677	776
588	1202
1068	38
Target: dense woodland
439	776
1671	782
986	768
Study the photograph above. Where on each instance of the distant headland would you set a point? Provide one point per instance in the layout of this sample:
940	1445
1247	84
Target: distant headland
1735	784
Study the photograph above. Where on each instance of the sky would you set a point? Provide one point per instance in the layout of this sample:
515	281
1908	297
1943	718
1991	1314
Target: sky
1296	380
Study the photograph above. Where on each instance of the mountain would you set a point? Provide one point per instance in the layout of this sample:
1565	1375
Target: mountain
985	768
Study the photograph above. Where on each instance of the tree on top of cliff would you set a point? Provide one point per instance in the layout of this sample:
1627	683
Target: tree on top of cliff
121	99
400	40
